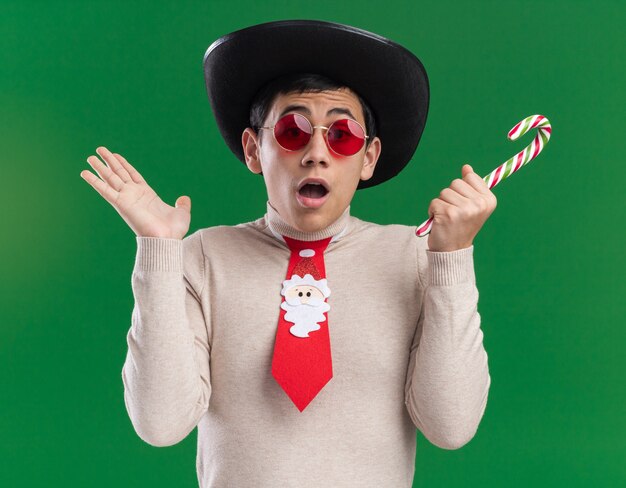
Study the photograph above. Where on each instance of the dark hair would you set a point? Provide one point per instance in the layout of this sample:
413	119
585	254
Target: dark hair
302	83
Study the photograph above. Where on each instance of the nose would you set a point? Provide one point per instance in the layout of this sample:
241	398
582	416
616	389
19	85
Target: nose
316	151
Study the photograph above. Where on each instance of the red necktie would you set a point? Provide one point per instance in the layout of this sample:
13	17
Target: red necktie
302	362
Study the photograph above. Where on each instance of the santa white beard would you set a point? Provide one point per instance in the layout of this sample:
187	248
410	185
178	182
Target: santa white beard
305	316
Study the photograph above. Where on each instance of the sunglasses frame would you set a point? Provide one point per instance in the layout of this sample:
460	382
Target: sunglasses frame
313	127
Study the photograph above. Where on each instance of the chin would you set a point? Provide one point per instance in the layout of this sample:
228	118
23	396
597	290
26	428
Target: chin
312	221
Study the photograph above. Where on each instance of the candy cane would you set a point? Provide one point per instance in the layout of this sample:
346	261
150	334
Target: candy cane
516	162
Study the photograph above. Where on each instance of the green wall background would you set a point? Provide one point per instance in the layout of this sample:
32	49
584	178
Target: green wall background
128	75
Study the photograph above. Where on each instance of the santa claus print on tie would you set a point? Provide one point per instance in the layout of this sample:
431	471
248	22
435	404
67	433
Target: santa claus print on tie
305	296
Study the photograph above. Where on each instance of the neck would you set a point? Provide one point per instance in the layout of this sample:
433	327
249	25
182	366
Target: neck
281	228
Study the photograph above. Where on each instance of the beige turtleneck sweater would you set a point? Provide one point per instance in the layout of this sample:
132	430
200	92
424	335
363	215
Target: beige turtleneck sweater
407	353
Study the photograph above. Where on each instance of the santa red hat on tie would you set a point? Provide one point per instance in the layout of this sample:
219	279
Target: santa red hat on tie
306	273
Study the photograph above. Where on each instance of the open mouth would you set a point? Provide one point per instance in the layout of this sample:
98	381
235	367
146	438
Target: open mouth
312	194
313	190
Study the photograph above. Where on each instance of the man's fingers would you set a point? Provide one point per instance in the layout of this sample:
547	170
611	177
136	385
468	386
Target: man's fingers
105	173
113	163
452	197
134	174
463	188
480	186
439	207
108	193
475	181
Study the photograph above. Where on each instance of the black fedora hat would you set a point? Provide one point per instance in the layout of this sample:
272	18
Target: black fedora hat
390	78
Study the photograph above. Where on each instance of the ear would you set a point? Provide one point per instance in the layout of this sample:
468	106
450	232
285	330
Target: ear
250	143
371	158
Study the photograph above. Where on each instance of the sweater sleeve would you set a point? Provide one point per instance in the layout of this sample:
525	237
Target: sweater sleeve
166	374
448	376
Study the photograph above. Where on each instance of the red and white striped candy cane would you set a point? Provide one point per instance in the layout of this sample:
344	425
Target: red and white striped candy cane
544	129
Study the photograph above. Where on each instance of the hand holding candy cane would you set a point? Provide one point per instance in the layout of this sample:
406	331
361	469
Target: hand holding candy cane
516	162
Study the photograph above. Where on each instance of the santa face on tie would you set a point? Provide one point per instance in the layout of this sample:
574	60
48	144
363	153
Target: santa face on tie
305	303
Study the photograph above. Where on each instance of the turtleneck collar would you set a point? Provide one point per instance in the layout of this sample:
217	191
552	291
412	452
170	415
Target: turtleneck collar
280	228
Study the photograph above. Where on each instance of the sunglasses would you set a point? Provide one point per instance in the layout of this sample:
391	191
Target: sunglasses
344	137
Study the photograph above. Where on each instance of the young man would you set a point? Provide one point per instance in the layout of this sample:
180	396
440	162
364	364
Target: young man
307	345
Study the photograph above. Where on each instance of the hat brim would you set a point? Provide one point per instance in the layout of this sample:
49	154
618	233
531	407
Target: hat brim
389	77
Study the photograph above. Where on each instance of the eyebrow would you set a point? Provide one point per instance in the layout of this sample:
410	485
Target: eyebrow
302	108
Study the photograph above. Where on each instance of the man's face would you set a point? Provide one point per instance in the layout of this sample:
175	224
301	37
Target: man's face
285	171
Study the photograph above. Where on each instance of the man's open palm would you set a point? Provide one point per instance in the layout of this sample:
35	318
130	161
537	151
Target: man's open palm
138	204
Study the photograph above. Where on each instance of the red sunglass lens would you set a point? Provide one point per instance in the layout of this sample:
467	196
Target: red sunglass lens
346	137
292	132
